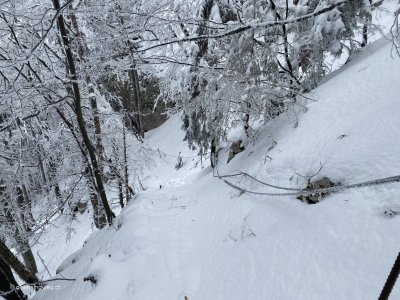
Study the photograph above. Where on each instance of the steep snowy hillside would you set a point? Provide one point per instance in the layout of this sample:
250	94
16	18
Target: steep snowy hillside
191	236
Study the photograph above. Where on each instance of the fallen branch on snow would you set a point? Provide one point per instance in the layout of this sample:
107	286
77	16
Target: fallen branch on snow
307	192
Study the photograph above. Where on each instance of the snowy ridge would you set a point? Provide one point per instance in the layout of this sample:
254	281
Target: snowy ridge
195	237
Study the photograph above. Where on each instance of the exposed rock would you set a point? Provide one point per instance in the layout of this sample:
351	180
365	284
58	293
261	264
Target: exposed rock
236	148
119	93
322	183
81	206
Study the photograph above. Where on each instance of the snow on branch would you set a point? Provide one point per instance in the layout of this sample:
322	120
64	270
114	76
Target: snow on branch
246	27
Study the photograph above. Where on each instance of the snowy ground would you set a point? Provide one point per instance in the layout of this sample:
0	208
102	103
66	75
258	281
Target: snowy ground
196	237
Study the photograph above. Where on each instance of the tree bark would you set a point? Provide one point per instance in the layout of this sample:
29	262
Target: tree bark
16	265
8	283
98	214
21	237
367	21
99	218
83	52
126	171
120	193
136	101
27	255
15	225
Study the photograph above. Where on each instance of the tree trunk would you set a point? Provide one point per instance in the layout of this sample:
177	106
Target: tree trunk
83	52
52	178
99	218
8	283
79	114
126	171
214	154
136	101
98	214
289	67
22	209
202	47
20	238
120	193
367	21
16	265
27	255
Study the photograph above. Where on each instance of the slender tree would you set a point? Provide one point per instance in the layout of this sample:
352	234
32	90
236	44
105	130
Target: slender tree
66	40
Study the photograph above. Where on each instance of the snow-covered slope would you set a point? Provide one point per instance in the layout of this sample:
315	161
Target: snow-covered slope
198	238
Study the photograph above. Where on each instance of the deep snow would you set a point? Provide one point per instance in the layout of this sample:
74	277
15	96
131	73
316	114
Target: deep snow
197	237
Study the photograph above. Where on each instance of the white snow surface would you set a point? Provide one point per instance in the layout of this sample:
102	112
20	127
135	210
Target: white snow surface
198	238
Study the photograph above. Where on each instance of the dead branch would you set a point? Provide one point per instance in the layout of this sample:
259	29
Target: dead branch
307	192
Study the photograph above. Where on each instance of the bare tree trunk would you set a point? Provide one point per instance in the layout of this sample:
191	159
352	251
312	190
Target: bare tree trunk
136	101
22	238
214	153
126	171
24	210
27	255
202	46
120	193
79	114
99	218
247	119
8	283
13	224
98	214
367	21
97	123
24	273
288	68
52	178
22	243
40	160
83	52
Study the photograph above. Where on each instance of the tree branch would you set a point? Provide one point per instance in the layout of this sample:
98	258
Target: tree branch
246	27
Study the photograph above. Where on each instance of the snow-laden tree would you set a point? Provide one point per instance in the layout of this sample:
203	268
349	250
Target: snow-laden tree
250	60
60	141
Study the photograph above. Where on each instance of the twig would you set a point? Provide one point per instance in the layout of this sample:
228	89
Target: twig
271	185
311	176
48	272
257	180
243	190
